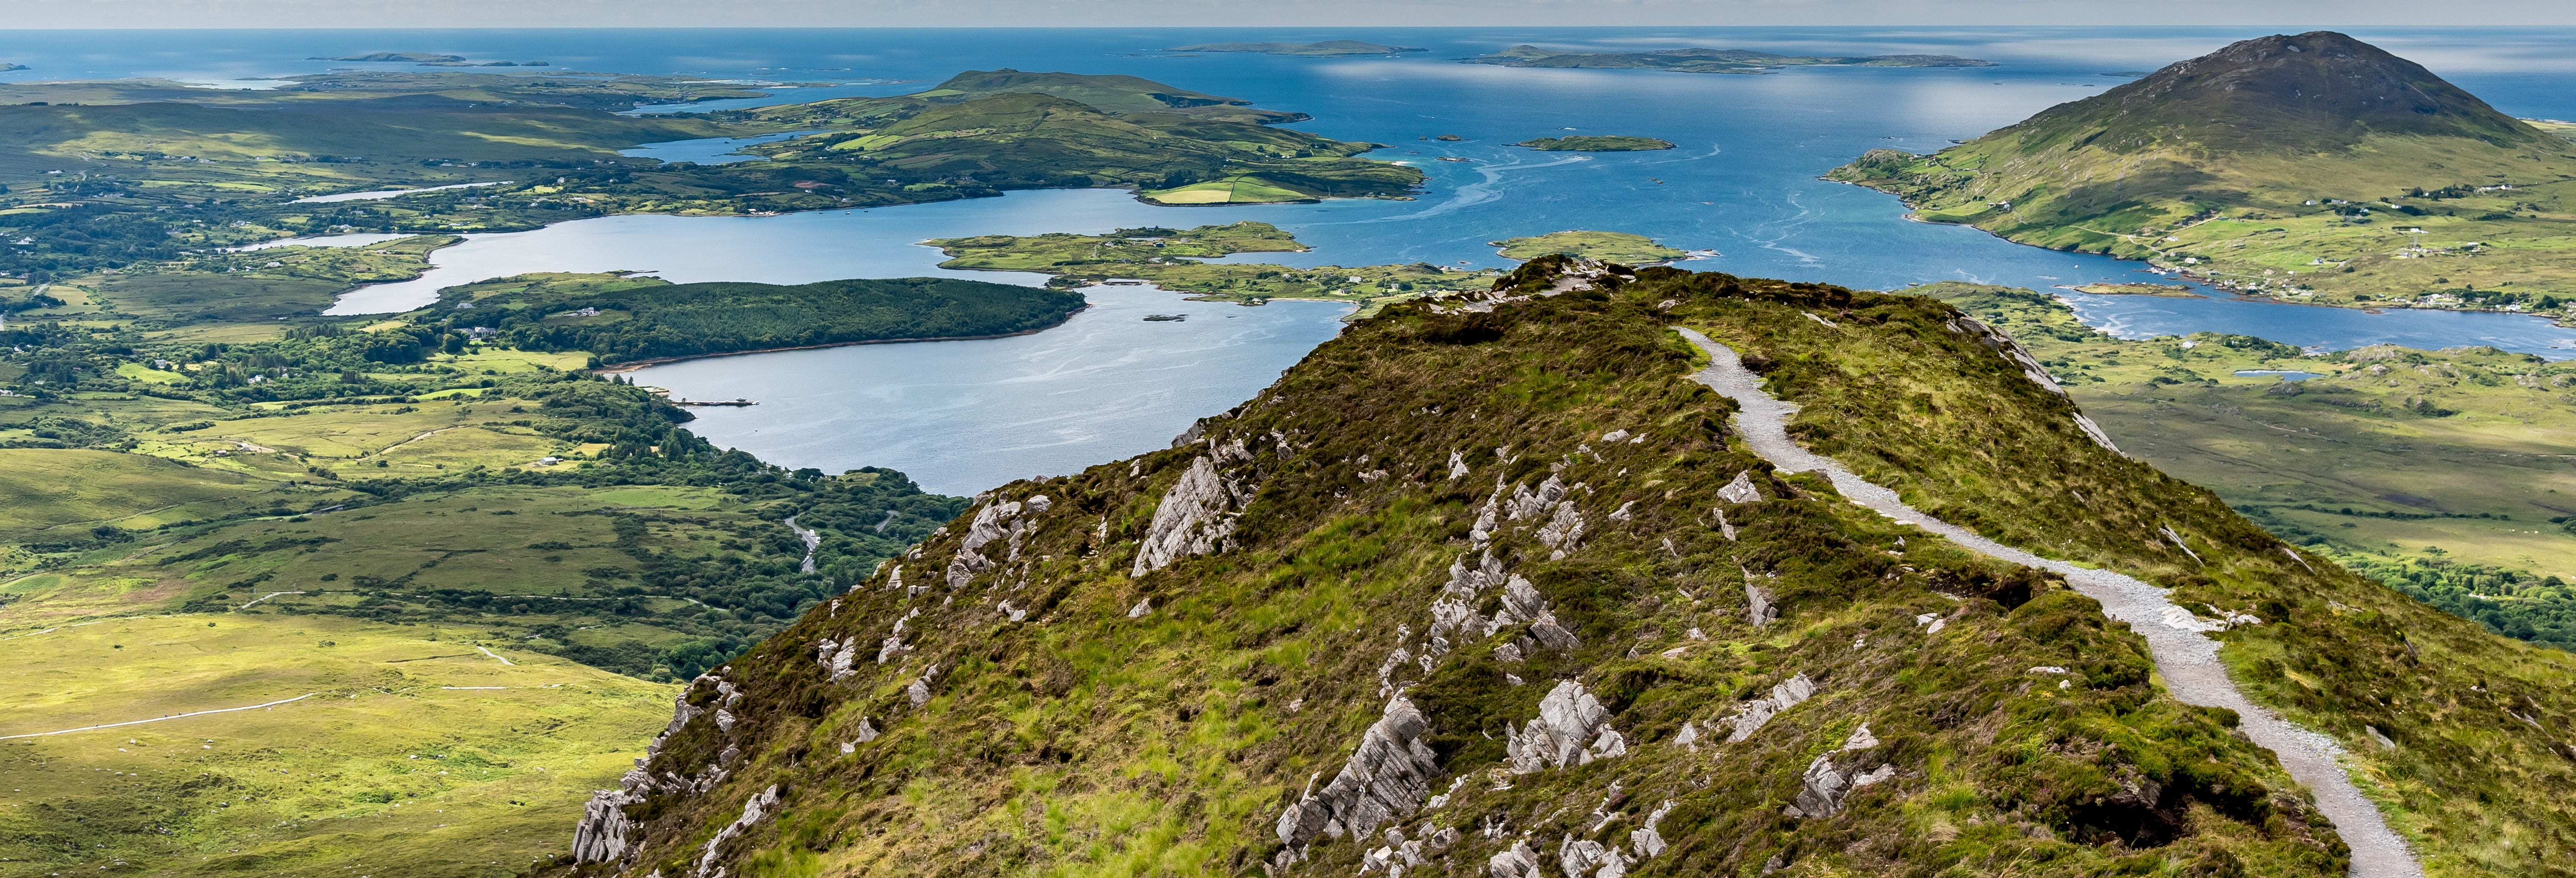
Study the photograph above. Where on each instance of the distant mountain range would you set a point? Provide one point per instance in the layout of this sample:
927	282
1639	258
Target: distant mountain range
1707	60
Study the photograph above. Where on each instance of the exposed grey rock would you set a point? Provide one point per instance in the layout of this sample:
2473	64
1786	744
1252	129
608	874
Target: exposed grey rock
753	812
1585	858
894	580
1526	503
1509	653
1647	841
894	645
1457	465
1614	436
1754	714
1562	531
1548	632
1143	606
1758	606
1824	789
1741	490
1572	728
1518	862
837	657
867	731
724	720
1192	519
1860	739
1622	513
992	523
1039	504
1453	612
605	834
1688	737
918	691
1387	778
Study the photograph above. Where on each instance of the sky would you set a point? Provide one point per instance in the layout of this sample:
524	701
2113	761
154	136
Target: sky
1255	13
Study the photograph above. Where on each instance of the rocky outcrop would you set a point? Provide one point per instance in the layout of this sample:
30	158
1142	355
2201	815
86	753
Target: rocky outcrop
836	657
1572	728
1194	518
995	522
1741	490
1516	862
1831	776
753	811
1387	778
605	833
1754	714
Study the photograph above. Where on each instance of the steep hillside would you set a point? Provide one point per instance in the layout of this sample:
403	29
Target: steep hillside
1492	586
2287	164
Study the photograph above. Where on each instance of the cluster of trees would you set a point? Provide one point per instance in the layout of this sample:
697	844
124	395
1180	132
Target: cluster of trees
711	318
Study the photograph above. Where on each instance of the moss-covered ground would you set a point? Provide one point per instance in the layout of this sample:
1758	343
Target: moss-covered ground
1619	247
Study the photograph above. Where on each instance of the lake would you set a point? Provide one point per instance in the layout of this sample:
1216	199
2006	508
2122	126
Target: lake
963	416
1744	183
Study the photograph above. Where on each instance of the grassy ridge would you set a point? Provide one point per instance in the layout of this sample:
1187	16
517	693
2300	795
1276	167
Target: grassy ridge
1060	702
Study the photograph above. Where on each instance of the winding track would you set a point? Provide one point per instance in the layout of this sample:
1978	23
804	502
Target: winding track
2187	659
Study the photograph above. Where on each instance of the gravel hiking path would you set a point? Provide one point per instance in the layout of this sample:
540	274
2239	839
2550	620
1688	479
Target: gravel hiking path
2187	659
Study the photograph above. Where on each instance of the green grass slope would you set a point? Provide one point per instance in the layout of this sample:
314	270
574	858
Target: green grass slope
1027	693
2476	767
2295	166
410	753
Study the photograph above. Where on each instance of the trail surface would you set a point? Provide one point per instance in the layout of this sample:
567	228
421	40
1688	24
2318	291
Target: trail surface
2187	659
158	718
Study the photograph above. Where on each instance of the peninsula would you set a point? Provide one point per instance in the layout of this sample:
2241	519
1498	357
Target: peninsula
1707	60
2313	168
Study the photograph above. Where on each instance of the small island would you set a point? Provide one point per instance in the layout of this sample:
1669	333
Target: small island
1600	143
2171	291
5	67
1707	60
1619	247
394	57
1325	49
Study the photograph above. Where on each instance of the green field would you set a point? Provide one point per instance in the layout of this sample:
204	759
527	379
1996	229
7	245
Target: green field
1619	247
409	753
2443	461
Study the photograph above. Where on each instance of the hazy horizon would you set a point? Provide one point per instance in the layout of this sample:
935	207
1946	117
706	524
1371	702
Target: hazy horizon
445	14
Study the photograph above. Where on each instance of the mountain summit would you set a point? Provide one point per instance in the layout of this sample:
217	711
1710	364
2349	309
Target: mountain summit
2300	94
2287	166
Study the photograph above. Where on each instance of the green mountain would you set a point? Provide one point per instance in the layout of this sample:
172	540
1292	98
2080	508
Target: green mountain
2295	166
1523	584
1707	60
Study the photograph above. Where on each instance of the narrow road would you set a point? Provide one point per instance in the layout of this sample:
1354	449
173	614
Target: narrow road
2187	658
159	719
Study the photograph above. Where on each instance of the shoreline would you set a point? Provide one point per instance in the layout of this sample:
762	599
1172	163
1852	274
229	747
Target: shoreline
1912	214
633	365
